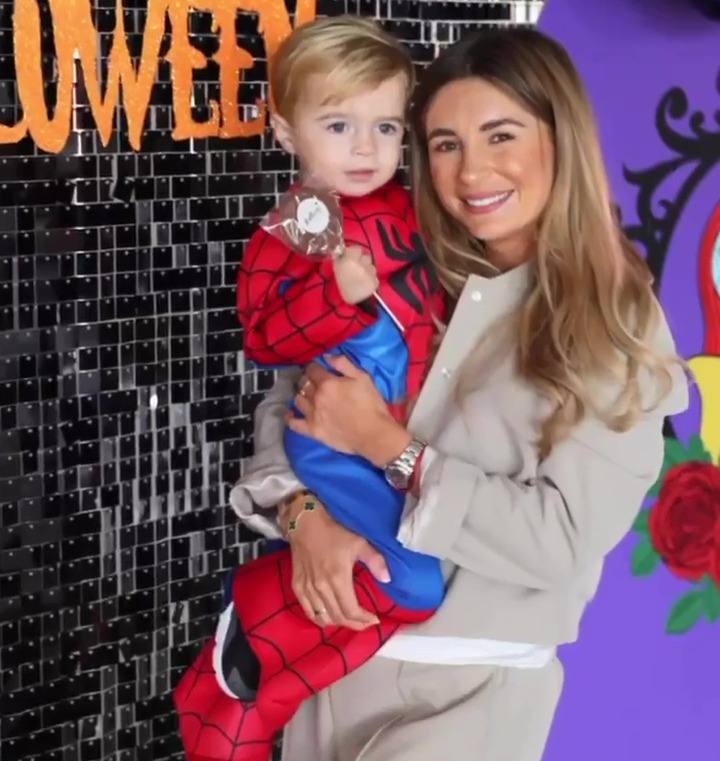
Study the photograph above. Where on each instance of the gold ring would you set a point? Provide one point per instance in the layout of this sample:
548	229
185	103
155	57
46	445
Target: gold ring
320	612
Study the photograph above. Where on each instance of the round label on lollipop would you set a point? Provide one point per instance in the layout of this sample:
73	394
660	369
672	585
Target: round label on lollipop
313	215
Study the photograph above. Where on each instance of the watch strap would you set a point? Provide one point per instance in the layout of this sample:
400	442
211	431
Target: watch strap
400	471
416	475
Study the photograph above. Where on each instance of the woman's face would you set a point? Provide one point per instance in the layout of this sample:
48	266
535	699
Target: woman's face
491	163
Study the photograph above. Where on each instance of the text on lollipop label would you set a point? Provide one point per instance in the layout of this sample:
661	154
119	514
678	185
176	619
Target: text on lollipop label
313	216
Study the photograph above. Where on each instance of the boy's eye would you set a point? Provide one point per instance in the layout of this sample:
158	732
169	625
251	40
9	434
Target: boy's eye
387	128
337	127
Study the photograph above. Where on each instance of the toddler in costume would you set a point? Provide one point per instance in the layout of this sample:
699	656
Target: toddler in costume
340	88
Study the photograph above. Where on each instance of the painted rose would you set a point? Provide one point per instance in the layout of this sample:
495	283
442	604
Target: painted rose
684	522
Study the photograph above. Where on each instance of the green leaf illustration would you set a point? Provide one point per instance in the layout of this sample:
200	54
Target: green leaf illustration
640	523
696	449
675	453
654	490
644	558
711	601
686	612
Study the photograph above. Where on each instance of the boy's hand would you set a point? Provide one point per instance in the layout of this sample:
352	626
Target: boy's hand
356	275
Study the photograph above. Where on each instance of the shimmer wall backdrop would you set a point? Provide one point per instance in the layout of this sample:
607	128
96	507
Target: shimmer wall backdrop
644	681
125	404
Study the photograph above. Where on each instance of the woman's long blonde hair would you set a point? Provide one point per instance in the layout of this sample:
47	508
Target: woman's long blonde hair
591	314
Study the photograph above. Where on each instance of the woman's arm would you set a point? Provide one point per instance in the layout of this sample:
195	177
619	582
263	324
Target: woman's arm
268	478
324	554
535	534
541	533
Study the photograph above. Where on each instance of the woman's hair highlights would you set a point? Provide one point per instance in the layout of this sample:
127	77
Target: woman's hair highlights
592	314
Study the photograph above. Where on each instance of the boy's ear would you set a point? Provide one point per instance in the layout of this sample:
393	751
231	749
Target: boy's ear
283	132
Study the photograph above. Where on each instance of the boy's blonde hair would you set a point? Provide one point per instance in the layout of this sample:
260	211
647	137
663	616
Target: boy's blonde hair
352	54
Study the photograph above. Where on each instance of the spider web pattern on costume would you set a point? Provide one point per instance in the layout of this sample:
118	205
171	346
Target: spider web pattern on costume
290	306
409	285
216	740
287	677
299	323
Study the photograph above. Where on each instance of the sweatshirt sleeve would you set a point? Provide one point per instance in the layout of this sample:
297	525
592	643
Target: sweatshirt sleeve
268	477
538	533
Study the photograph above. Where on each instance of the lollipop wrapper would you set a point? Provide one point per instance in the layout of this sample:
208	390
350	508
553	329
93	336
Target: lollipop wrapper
309	221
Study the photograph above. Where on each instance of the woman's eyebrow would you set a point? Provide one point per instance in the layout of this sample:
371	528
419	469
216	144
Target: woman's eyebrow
495	123
440	132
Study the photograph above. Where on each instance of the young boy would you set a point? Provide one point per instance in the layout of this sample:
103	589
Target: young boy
340	88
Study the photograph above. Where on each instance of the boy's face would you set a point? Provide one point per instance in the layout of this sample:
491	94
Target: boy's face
352	147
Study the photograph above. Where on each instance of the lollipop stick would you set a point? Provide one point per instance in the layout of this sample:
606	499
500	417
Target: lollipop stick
382	303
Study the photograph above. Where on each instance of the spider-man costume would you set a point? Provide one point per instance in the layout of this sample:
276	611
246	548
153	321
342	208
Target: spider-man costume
292	312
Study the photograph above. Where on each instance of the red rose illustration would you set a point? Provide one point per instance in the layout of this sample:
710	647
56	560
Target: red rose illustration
684	523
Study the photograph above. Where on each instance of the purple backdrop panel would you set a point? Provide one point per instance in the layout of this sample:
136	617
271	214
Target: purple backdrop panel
643	682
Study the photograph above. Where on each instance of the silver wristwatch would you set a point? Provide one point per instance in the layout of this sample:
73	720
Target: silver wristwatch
399	471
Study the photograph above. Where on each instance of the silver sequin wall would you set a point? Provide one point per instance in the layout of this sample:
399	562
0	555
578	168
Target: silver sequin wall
125	403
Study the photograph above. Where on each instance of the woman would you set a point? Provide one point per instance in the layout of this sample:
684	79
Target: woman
539	426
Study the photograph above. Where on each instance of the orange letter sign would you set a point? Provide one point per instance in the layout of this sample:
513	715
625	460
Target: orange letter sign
76	37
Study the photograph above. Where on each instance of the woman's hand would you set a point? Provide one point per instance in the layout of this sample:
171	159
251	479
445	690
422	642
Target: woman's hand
324	554
347	413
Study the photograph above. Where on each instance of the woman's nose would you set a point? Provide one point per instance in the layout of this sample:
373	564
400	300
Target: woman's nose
474	164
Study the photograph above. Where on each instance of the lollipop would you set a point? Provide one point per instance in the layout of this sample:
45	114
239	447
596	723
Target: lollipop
308	219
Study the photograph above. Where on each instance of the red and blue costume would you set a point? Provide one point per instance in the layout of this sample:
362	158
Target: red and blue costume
293	313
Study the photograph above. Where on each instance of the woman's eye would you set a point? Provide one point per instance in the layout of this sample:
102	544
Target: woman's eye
388	129
444	146
337	127
501	137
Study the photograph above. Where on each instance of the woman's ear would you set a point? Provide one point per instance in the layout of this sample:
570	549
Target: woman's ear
283	132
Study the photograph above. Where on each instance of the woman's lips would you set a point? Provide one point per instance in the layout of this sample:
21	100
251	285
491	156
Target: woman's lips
486	203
